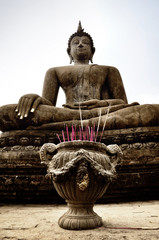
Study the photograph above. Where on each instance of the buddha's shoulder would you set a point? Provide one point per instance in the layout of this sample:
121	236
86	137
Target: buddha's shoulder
105	67
61	69
72	68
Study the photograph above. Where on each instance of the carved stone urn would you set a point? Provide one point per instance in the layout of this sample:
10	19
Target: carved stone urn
81	172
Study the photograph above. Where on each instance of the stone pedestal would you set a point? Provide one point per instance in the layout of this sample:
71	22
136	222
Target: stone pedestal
23	178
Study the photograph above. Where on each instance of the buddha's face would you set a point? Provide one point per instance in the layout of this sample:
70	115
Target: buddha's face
81	48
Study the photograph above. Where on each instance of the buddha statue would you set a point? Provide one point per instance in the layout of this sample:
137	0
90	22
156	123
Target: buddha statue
91	91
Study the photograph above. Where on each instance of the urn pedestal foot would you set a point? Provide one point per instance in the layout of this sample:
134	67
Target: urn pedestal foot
80	216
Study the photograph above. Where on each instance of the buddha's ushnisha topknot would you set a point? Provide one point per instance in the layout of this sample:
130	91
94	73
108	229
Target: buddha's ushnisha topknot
79	29
80	32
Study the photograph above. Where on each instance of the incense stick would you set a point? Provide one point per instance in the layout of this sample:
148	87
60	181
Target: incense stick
81	116
106	117
98	123
58	137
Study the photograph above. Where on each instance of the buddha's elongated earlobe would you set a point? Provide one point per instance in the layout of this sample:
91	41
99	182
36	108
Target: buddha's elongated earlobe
91	59
71	59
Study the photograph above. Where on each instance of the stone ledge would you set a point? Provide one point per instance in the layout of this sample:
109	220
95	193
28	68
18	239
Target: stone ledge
23	178
39	137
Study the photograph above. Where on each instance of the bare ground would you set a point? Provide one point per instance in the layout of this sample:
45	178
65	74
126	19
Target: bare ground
125	221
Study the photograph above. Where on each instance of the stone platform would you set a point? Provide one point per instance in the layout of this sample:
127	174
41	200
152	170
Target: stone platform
124	221
23	178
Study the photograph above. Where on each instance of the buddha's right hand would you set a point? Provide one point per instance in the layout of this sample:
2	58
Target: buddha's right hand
27	103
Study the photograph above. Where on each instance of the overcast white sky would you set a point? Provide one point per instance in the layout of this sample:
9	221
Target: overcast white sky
34	36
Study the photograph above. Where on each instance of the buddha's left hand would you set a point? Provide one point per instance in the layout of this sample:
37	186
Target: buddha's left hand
94	103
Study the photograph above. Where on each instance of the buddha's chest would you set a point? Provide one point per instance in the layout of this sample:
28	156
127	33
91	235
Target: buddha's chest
84	77
82	83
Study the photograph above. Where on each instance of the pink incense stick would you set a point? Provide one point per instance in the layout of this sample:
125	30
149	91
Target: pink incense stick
68	139
73	134
84	135
80	133
58	137
63	135
91	135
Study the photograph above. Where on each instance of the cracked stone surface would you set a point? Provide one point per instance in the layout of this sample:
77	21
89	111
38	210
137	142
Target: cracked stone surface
126	221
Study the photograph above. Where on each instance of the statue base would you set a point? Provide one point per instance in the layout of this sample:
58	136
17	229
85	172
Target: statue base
23	178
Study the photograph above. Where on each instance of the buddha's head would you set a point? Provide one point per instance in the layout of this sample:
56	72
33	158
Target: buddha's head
80	46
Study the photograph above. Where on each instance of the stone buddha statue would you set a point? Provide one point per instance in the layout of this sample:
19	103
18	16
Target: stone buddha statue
90	89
